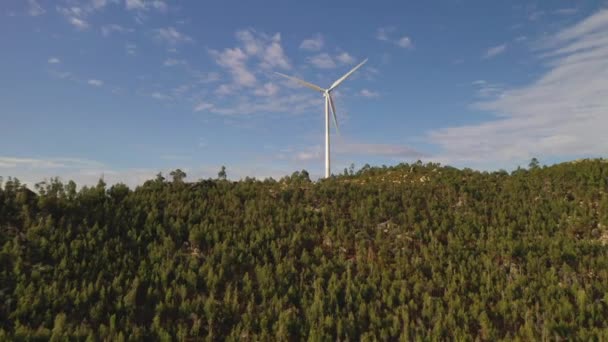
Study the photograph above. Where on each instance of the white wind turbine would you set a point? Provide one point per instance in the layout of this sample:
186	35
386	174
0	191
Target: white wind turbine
329	102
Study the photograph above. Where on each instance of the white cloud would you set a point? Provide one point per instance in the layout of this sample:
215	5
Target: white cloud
251	44
130	48
11	162
383	33
203	106
561	114
234	60
135	4
268	89
312	44
274	55
75	16
368	93
34	8
345	58
94	82
61	75
78	23
255	53
172	36
486	89
297	103
54	60
404	42
76	13
97	4
308	155
535	15
225	89
207	77
267	49
142	5
494	51
521	39
160	96
107	30
326	61
172	62
322	61
160	5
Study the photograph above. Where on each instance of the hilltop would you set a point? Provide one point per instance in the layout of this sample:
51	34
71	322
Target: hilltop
414	250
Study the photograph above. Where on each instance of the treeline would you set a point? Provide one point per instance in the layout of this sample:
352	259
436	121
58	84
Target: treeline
393	253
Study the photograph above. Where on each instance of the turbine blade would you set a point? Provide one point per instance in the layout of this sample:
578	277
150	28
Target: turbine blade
304	83
333	111
341	79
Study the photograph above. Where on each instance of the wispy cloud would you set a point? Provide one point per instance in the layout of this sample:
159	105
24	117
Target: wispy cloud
326	61
256	52
312	44
98	4
60	74
297	104
77	13
345	58
142	5
405	42
160	96
160	5
322	61
203	106
172	36
494	51
383	33
267	48
173	62
368	93
563	113
53	60
94	82
34	8
268	89
486	89
7	162
135	4
107	30
78	23
130	49
234	60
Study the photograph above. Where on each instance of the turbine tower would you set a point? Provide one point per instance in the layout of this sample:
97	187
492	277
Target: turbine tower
329	103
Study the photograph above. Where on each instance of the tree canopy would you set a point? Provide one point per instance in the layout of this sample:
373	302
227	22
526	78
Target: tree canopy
407	252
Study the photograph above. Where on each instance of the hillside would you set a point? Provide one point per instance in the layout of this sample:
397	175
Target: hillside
379	254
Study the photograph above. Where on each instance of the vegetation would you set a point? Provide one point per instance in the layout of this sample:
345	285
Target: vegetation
392	253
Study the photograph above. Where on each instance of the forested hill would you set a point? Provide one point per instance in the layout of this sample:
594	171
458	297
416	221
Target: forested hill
412	251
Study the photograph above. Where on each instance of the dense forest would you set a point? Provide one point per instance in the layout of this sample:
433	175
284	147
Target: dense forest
410	252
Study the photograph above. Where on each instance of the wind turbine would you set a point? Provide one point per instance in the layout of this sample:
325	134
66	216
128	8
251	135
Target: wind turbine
329	103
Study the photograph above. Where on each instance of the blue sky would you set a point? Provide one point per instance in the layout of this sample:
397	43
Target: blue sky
128	88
